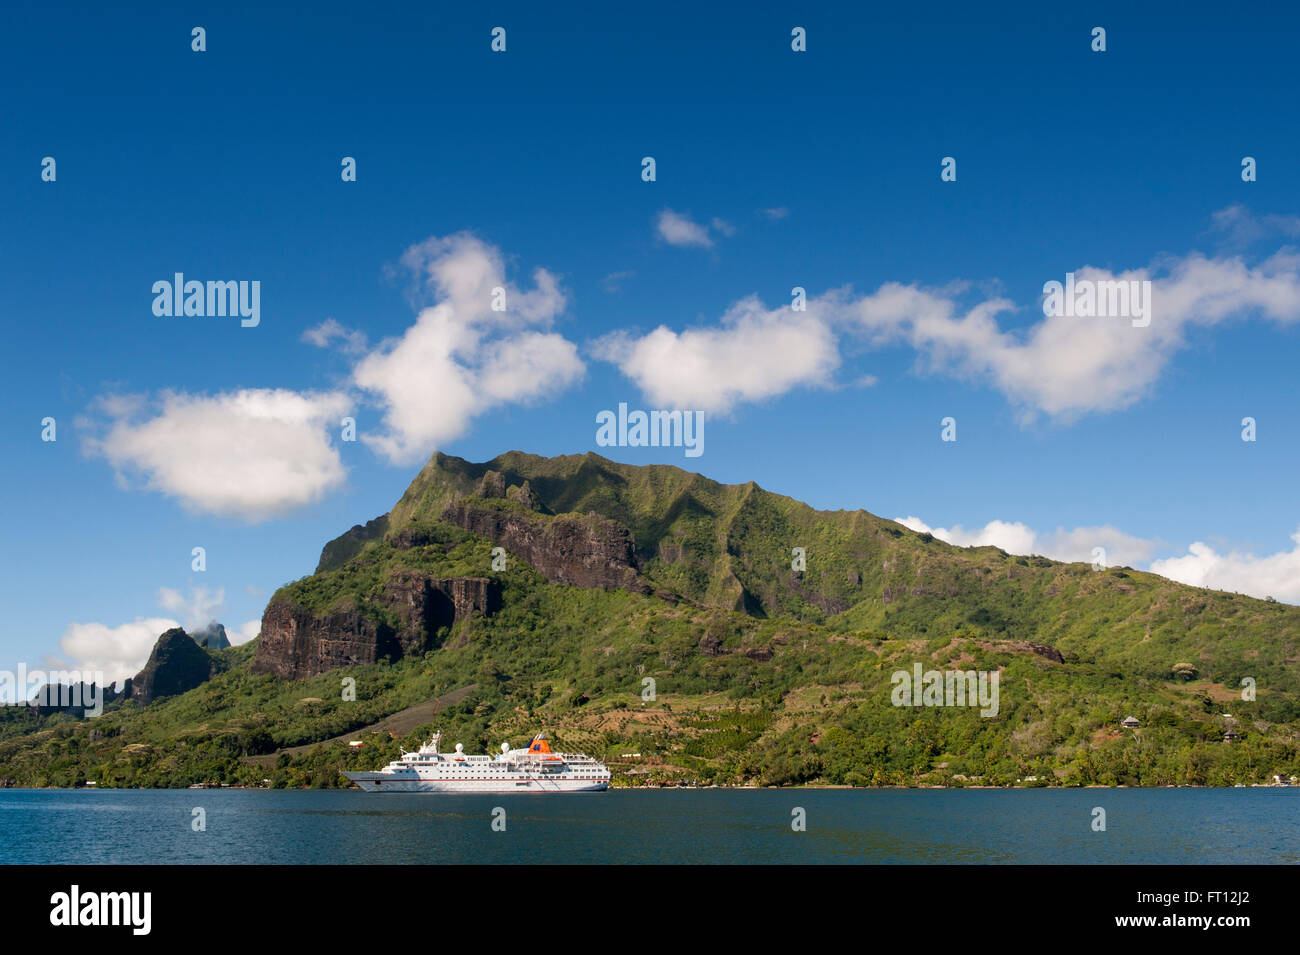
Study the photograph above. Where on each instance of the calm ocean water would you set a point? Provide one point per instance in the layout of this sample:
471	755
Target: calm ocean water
1176	826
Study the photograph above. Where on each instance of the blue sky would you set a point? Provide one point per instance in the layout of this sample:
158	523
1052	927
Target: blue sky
774	169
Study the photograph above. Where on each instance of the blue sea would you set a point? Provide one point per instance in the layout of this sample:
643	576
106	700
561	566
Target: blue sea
926	826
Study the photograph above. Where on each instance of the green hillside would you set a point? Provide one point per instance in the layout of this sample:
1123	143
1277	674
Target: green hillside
761	673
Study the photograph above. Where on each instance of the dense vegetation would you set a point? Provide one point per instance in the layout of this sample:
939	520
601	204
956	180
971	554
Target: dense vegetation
762	674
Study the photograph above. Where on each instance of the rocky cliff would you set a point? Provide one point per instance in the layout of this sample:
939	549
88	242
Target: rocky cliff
586	551
298	642
410	607
398	584
176	665
577	550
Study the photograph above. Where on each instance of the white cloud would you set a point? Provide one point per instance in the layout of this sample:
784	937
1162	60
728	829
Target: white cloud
754	353
245	632
351	342
258	453
122	651
252	454
1061	366
677	229
723	226
1014	538
198	609
118	652
1067	366
1274	575
461	358
1238	226
1121	549
613	282
461	271
775	213
1070	546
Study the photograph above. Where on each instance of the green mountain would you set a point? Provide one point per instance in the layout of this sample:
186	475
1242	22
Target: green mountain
722	632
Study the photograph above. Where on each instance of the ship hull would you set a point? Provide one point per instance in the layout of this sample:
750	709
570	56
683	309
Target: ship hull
395	783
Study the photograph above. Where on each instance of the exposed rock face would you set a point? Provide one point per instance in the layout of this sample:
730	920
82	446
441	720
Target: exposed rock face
492	484
523	494
711	645
297	643
176	665
1043	650
424	604
592	552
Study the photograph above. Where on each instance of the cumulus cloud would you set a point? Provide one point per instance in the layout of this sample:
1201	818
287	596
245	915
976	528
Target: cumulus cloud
252	454
1067	366
462	358
681	230
1079	544
248	630
1064	545
118	652
324	335
198	609
1062	366
258	453
1274	575
122	651
1014	538
1238	226
754	353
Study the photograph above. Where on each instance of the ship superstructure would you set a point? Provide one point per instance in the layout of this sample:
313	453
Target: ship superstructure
531	769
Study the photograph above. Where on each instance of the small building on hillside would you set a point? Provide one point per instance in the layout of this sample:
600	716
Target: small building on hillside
1129	723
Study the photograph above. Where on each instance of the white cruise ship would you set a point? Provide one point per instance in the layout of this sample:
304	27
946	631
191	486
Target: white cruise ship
532	769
